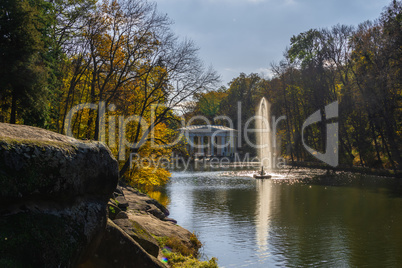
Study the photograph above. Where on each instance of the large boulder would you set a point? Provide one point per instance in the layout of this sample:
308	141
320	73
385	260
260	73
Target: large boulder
53	195
35	162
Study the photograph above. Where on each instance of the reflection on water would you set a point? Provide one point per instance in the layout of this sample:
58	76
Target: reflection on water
160	196
304	218
263	214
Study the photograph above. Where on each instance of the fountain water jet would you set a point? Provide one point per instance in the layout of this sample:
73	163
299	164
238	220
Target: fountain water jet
264	133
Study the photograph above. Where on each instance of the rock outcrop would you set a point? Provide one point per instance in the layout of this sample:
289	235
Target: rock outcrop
53	195
153	217
60	207
140	235
118	249
135	221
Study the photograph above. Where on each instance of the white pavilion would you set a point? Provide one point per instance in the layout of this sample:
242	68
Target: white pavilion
210	140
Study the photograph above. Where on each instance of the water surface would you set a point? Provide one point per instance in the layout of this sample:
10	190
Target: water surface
304	218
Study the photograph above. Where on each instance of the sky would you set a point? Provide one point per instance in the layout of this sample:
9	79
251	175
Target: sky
236	36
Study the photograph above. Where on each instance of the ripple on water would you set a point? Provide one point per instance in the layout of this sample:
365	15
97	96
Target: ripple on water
302	218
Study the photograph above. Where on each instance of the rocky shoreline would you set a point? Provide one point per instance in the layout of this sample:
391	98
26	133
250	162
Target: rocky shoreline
61	206
136	221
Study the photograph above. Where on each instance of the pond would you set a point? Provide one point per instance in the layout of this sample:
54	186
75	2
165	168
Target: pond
299	218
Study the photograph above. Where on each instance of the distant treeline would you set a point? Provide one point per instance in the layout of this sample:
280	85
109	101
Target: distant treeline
359	67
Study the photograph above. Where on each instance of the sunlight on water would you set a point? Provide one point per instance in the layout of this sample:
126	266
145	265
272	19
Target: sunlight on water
250	173
300	217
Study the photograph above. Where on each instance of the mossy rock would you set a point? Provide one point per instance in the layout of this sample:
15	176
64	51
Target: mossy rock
53	195
118	249
36	162
139	234
113	209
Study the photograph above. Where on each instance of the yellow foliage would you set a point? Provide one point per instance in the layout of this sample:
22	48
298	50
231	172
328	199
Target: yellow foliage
148	176
158	196
105	73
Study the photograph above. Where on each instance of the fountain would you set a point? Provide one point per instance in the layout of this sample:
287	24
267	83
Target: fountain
264	149
263	132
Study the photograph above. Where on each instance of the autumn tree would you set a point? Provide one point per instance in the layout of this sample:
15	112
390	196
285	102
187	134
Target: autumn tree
126	57
376	54
360	68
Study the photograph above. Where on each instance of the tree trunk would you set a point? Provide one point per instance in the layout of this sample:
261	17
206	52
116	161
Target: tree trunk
13	114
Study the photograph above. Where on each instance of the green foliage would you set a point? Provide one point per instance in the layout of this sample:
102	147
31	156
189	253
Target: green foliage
247	90
180	255
179	261
305	47
23	73
194	241
208	104
176	245
57	54
112	210
360	68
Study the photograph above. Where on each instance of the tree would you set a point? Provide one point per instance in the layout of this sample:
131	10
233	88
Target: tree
376	54
125	55
208	104
244	89
22	68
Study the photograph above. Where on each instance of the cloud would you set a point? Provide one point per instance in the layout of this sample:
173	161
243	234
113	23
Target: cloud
247	35
265	72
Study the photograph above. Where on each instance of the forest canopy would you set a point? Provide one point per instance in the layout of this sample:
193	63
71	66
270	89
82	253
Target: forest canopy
122	59
360	67
114	57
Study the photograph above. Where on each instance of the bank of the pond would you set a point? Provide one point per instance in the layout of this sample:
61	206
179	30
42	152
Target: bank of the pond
146	221
354	169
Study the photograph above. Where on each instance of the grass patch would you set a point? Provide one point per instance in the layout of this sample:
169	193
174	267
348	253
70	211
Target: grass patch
195	242
177	260
175	245
180	255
